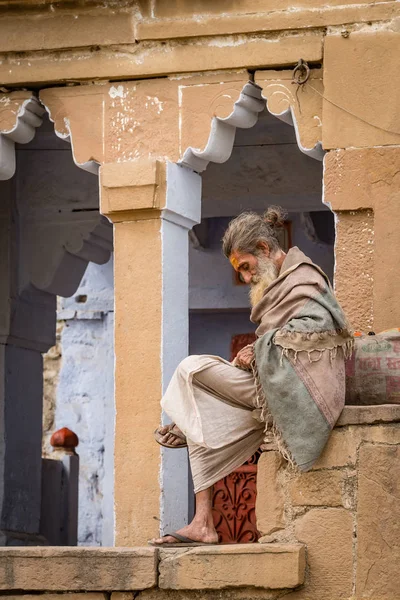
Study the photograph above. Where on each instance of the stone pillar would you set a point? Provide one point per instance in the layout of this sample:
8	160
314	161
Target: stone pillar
152	205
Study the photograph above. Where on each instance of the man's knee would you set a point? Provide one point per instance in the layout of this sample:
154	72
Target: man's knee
194	364
187	365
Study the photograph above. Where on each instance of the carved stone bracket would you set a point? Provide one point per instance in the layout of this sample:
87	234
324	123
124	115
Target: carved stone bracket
67	245
222	135
297	105
20	114
77	115
49	249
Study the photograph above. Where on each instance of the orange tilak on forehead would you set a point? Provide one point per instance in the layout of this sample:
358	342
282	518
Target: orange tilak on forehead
234	262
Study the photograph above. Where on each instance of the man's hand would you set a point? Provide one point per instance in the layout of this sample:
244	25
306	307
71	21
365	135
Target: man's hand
245	357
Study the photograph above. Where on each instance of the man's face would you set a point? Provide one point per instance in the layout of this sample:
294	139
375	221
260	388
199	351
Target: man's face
258	271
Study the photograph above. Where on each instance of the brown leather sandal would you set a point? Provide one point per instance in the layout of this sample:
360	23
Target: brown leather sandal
177	434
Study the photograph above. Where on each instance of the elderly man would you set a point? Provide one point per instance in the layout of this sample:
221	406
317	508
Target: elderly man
287	390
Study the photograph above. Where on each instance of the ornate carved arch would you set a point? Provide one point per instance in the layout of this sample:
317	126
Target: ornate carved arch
297	105
300	107
222	134
20	115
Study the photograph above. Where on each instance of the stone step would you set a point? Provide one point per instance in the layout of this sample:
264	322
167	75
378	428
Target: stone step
268	566
70	569
62	569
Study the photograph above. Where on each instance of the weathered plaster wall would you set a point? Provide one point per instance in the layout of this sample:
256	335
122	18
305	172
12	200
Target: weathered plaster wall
79	394
85	398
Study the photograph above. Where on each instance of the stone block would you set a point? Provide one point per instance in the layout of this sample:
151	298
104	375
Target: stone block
60	29
368	114
355	269
355	179
378	522
328	534
340	450
130	186
68	569
369	415
274	19
379	434
317	488
270	502
70	596
213	568
178	9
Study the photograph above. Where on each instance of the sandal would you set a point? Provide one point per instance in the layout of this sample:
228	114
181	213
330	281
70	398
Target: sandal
181	542
178	434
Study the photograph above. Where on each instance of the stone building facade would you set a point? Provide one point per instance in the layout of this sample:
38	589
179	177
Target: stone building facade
148	94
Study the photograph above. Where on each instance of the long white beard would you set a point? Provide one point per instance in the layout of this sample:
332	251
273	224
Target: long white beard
267	273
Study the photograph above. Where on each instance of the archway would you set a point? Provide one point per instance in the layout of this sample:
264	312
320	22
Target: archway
261	166
51	230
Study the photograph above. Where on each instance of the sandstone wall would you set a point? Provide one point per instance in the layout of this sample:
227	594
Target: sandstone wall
329	533
344	510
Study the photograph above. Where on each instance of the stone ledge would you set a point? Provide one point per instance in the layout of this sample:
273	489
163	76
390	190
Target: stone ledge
268	566
135	61
64	596
186	26
369	415
77	569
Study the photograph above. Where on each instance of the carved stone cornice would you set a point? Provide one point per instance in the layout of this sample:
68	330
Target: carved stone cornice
20	114
297	105
243	114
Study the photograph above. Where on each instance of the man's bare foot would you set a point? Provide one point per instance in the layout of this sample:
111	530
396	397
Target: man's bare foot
198	532
172	435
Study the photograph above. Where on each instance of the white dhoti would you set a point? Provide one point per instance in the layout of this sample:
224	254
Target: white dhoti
213	404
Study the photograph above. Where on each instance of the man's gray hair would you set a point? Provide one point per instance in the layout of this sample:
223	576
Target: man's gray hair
246	231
